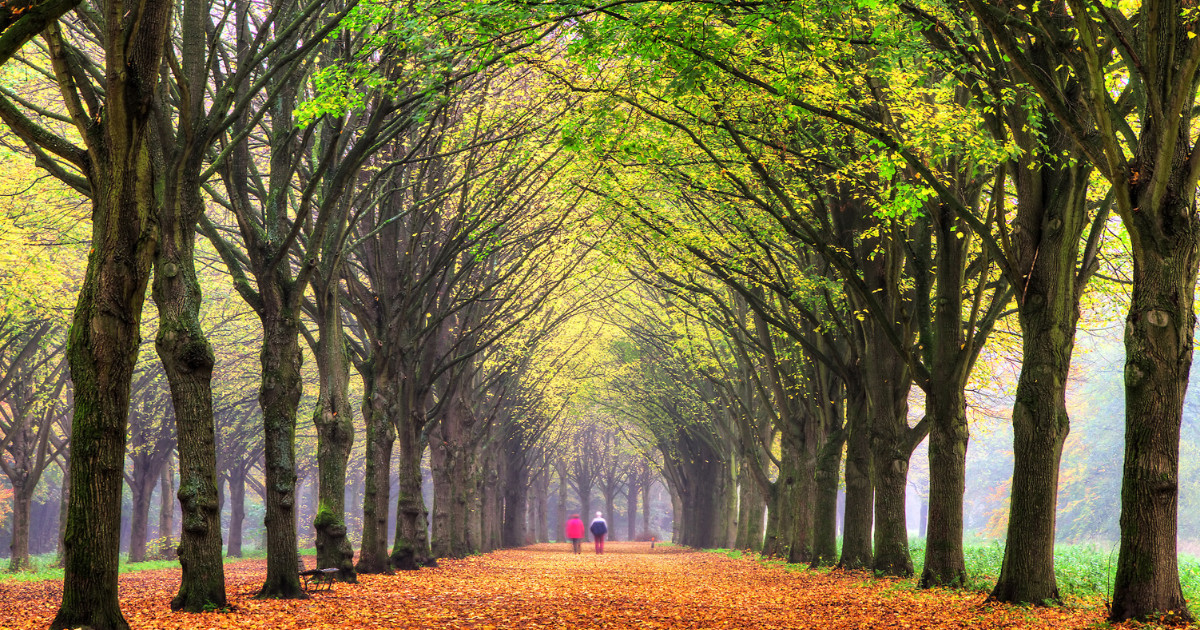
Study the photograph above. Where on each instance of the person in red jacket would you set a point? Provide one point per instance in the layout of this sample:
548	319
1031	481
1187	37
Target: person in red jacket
575	531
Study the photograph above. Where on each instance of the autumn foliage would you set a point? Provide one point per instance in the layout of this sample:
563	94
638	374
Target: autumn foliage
545	586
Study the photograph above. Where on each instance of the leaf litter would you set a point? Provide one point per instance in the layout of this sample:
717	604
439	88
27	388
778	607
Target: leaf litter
546	586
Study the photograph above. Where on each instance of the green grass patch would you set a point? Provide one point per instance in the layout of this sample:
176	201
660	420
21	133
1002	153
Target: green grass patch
42	566
1082	571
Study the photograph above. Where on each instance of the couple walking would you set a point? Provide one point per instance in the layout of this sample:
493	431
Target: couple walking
599	529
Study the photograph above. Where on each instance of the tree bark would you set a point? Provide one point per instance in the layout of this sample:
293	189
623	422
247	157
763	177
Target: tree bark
1159	212
945	564
888	383
646	484
706	499
142	490
188	361
949	360
516	496
860	491
773	544
1158	356
631	504
410	551
335	431
279	397
610	513
105	331
166	515
441	532
825	512
1052	214
237	509
453	458
22	500
541	491
752	516
492	503
102	351
380	434
560	512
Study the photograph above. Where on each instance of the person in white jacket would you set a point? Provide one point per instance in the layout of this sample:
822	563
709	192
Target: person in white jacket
599	529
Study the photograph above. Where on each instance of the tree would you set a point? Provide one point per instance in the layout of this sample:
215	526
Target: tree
32	391
151	443
1153	182
21	22
116	167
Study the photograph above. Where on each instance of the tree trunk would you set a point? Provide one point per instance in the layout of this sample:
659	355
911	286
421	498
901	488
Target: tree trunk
800	546
610	514
141	490
105	332
887	385
492	502
166	516
825	512
707	504
560	512
789	523
676	517
945	564
516	498
440	526
188	361
773	540
860	491
453	490
237	510
410	551
1052	212
891	555
279	397
102	352
949	360
541	491
752	515
475	519
1158	356
463	501
631	504
380	434
333	418
22	499
646	485
454	485
585	509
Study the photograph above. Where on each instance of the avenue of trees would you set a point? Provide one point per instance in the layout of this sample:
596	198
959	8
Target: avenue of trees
514	259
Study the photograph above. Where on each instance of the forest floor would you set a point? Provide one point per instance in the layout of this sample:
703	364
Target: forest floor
545	586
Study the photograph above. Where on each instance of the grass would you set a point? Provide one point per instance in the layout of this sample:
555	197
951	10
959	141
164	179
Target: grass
42	566
1082	571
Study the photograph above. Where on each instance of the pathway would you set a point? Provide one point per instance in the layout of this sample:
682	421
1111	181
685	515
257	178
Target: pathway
545	586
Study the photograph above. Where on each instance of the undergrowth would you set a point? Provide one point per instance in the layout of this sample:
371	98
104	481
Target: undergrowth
1083	571
42	565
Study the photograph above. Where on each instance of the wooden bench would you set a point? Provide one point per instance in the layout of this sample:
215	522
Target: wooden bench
319	577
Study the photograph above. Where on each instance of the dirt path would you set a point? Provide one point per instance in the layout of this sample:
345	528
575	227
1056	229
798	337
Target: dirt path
545	586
